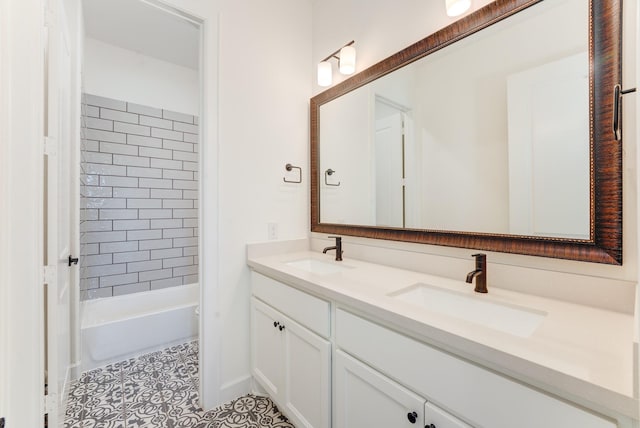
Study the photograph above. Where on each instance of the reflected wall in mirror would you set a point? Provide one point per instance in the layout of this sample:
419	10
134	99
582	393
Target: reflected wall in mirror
492	133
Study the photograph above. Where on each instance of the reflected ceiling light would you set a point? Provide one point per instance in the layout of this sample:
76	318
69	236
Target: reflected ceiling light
325	73
457	7
346	57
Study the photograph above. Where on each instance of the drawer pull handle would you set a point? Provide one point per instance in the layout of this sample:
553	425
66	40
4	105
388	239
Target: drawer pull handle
276	323
412	417
281	328
430	426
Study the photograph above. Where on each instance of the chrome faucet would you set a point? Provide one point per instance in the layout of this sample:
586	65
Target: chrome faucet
337	247
480	274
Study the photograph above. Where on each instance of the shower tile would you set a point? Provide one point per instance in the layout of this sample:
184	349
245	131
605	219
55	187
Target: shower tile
186	156
130	224
93	237
90	249
86	214
166	223
119	247
146	110
185	184
177	233
190	279
190	251
144	172
130	160
95	226
97	192
180	213
143	140
164	283
190	194
95	123
91	111
103	202
155	213
104	169
156	122
95	100
153	244
166	134
166	253
100	135
118	147
178	261
142	266
98	157
118	115
110	281
156	274
186	270
130	128
185	242
180	175
155	153
190	166
180	117
190	222
177	145
190	138
132	256
97	260
122	214
185	127
144	203
167	164
119	192
113	181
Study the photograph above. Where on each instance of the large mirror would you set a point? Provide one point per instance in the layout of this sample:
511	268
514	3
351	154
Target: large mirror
494	133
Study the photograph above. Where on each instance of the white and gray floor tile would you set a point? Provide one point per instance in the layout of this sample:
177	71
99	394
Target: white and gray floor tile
160	390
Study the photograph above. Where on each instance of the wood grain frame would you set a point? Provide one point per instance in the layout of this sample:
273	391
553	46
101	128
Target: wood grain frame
605	243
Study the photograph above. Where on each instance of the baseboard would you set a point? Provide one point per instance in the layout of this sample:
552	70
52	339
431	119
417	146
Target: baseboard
235	388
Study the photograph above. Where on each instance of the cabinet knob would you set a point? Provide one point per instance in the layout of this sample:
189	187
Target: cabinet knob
413	416
276	323
430	426
281	327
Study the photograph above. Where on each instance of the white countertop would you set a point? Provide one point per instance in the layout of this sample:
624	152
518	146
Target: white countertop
580	353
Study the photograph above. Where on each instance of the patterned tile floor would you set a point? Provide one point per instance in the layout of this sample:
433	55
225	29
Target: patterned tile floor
160	390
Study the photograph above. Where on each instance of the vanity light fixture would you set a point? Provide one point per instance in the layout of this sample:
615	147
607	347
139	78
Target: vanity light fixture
457	7
346	57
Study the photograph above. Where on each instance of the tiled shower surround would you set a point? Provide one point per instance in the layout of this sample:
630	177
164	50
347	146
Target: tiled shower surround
139	198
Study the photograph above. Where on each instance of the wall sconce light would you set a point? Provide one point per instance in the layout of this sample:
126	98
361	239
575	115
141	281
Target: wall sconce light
346	57
457	7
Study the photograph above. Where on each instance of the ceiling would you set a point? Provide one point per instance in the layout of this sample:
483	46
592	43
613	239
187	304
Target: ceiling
143	28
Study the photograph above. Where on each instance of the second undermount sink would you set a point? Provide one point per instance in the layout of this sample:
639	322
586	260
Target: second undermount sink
318	267
512	319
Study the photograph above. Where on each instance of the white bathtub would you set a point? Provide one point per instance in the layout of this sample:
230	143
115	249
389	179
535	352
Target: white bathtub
116	328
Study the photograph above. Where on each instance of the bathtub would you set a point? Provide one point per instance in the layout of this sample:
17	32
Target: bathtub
117	328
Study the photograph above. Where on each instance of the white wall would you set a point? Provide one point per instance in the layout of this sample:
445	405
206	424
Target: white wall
381	28
113	72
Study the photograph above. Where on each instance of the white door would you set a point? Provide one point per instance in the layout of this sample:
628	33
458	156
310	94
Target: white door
58	213
364	398
267	348
307	375
389	171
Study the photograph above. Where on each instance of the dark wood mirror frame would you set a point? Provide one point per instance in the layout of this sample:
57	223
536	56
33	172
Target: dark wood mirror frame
605	245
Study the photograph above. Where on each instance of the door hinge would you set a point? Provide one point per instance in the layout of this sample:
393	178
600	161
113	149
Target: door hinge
50	146
50	403
49	274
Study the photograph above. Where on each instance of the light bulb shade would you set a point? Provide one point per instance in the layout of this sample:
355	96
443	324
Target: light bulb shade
348	60
457	7
324	73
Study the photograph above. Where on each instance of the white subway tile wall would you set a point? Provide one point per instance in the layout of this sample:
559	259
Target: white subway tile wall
139	198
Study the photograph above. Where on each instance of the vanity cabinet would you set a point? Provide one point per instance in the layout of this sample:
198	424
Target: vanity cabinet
480	396
290	359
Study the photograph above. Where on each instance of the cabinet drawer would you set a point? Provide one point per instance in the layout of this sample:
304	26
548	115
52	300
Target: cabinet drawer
308	310
475	394
434	417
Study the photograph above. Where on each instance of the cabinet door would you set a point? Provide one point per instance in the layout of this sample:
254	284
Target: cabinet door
307	376
435	417
364	398
267	348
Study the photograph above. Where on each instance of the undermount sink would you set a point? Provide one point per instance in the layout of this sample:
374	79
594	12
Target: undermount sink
512	319
318	267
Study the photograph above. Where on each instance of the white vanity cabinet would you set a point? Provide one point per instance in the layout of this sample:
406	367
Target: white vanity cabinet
482	397
290	358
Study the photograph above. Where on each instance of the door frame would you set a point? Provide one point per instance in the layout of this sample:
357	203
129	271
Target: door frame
21	212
